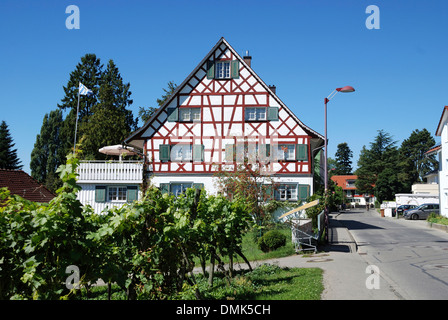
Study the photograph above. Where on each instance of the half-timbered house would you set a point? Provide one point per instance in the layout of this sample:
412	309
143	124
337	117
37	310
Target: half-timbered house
220	114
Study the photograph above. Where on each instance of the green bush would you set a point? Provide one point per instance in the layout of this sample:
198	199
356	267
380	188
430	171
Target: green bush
271	240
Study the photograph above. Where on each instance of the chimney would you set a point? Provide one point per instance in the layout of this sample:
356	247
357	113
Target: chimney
247	58
273	88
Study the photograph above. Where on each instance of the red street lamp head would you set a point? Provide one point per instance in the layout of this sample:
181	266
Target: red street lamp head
345	89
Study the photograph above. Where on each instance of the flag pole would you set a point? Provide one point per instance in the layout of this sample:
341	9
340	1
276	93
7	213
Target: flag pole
76	125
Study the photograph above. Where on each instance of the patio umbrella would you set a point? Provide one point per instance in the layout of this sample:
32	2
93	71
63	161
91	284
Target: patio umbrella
118	150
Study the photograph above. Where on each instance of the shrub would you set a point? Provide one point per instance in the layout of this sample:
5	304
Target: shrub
271	240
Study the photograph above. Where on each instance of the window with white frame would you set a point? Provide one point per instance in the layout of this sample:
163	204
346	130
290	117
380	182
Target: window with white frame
179	188
223	70
286	152
255	114
287	192
181	152
117	193
189	114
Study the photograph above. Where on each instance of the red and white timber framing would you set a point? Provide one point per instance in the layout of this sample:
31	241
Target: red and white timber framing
223	104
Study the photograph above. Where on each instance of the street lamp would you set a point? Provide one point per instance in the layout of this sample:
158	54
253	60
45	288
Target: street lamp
343	89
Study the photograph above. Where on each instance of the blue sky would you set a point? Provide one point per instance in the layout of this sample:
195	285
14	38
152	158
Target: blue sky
304	47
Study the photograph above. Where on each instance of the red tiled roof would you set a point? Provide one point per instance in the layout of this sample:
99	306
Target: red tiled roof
433	150
20	183
341	181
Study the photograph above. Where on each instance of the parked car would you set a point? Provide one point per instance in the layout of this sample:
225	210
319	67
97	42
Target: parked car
422	211
401	209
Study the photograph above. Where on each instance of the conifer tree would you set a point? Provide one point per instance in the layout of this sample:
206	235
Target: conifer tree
48	153
343	165
8	155
111	122
88	72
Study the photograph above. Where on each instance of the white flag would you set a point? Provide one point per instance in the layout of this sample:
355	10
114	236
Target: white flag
84	91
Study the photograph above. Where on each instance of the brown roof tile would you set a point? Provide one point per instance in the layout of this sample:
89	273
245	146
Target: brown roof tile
20	183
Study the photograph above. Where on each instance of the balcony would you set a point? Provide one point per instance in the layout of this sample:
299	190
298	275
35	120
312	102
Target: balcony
110	172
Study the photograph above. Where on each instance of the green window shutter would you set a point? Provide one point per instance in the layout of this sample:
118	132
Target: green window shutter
100	194
230	152
132	193
302	152
198	185
264	151
173	114
210	69
235	69
303	191
164	152
164	187
198	152
268	151
272	113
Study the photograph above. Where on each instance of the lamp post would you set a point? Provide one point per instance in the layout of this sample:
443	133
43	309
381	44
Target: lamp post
335	91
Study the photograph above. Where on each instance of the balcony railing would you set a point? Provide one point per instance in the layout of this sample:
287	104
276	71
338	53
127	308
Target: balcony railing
110	171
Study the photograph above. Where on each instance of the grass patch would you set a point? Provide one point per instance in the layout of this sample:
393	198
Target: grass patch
438	219
253	253
267	282
287	284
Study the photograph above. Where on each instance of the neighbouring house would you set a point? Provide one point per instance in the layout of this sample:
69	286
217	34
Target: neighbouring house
347	183
442	132
22	184
220	114
111	183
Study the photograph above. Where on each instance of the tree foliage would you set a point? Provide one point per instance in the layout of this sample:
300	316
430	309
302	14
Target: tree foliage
47	154
104	119
343	158
250	182
372	163
8	155
145	114
110	120
415	164
384	169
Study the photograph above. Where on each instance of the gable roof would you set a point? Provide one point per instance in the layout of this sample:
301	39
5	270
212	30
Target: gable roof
20	183
136	139
443	119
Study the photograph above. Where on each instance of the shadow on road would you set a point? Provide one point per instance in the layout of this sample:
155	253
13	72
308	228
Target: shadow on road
356	225
335	248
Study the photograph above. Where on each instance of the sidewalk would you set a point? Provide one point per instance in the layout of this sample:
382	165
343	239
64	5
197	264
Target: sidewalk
344	269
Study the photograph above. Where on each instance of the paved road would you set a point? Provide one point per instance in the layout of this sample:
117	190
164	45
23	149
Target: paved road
412	258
